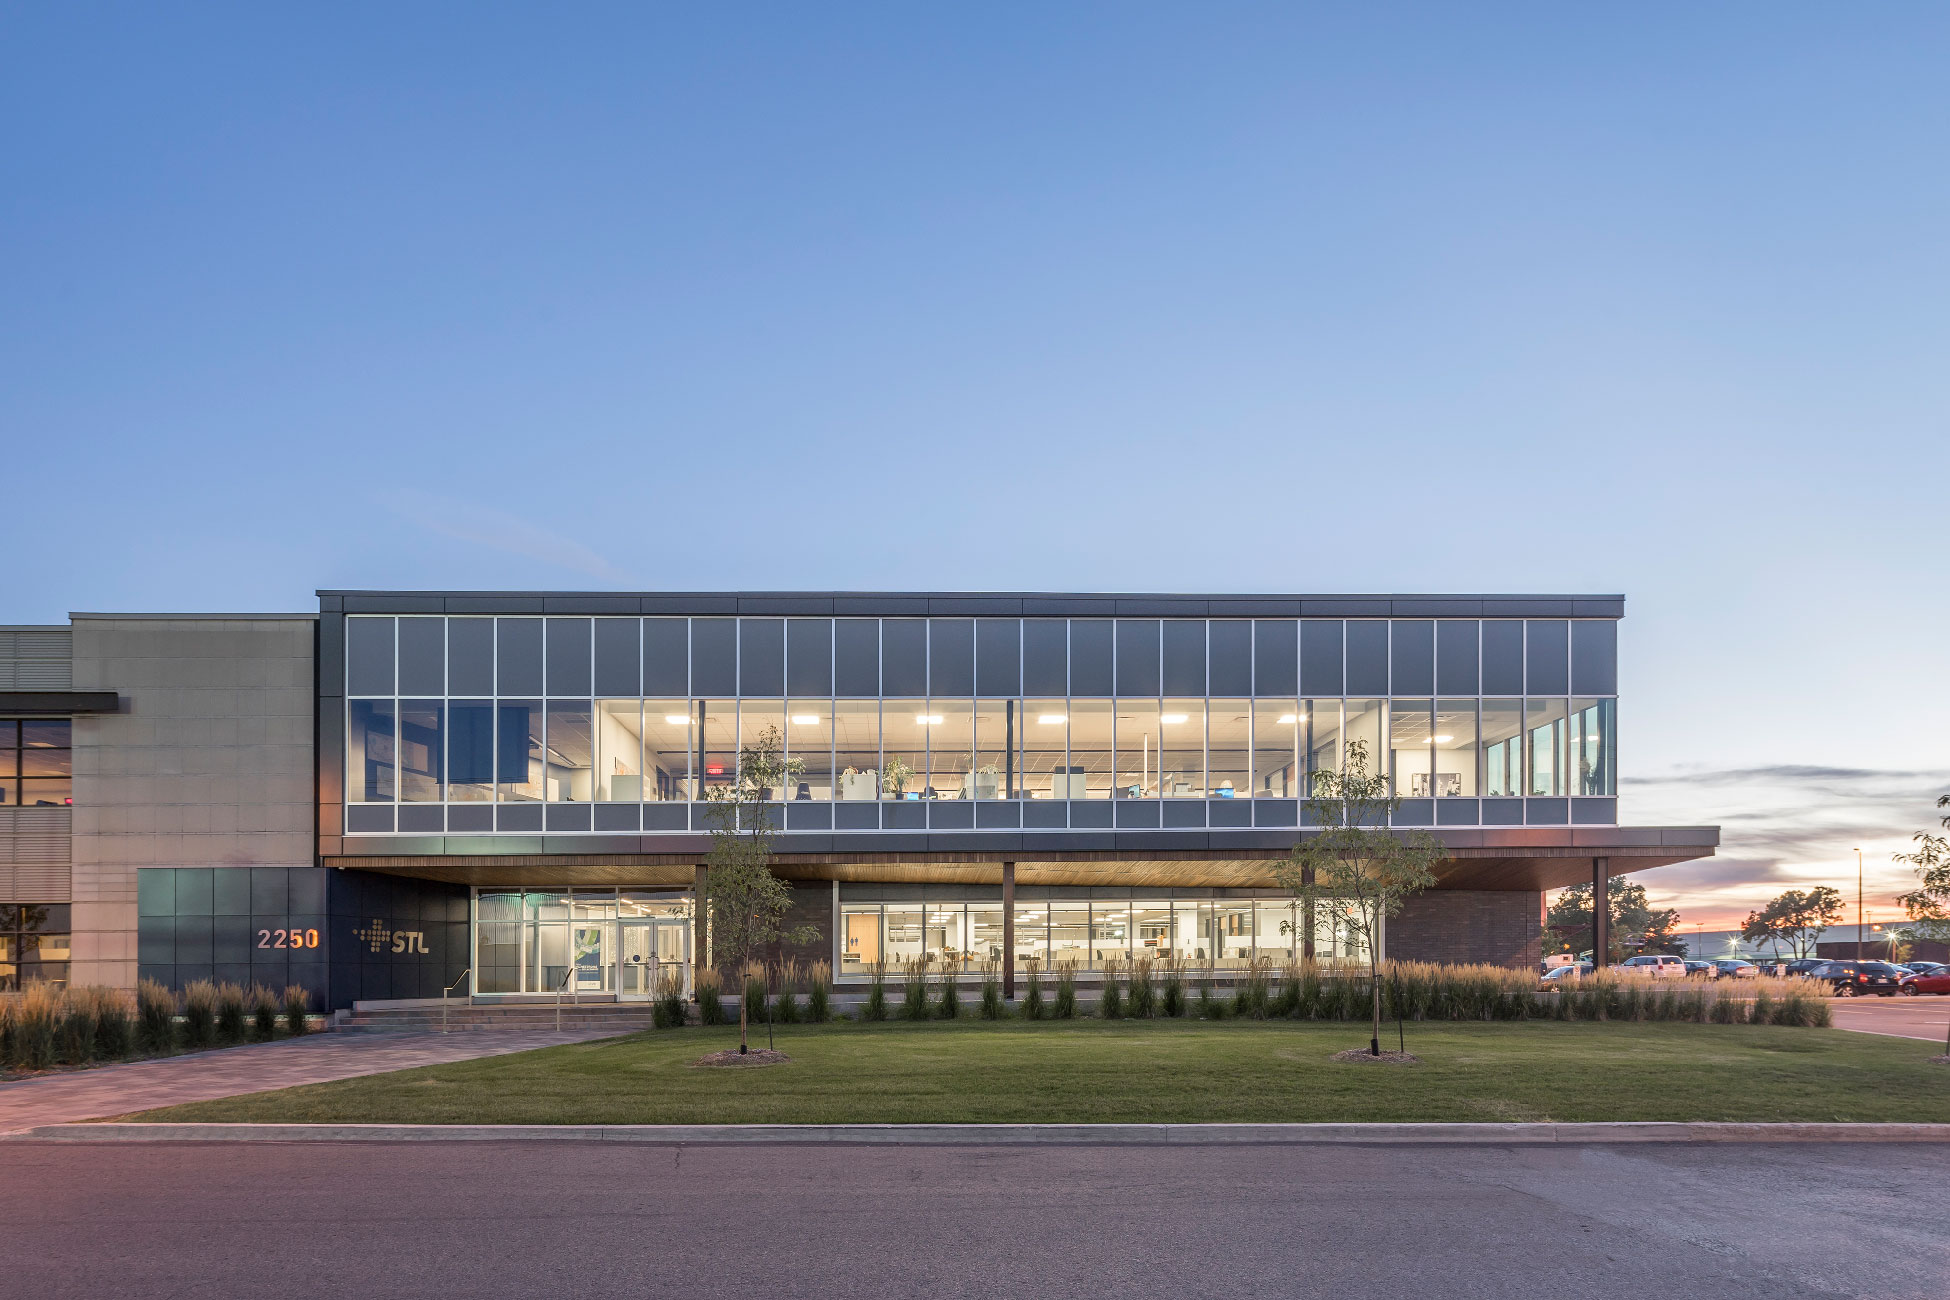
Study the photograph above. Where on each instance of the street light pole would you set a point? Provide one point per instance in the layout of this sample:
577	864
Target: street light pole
1858	905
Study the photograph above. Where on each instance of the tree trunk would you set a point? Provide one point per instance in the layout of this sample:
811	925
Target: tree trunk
1374	1037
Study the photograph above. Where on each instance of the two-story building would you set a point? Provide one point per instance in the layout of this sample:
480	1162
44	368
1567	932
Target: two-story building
506	792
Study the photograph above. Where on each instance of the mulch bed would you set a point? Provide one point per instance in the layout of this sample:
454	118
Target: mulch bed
743	1060
1360	1056
1941	1059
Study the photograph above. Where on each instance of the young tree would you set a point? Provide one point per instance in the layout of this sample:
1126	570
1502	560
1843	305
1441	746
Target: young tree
1568	926
747	902
1354	869
1928	905
1795	918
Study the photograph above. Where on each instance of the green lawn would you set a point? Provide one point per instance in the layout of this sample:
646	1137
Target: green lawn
1096	1071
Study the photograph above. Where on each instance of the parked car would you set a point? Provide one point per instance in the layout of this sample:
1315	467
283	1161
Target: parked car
1558	976
1935	981
1851	979
1703	969
1658	965
1927	967
1727	968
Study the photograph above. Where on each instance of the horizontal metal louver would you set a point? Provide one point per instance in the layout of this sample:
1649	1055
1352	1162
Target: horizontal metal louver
43	645
43	675
37	661
46	884
36	836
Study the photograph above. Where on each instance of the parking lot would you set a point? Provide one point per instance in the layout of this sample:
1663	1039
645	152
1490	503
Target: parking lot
1919	1017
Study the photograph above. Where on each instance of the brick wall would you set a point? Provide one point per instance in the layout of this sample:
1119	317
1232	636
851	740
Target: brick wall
1455	925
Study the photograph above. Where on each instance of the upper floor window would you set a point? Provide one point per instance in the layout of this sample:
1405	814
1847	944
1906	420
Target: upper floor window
36	763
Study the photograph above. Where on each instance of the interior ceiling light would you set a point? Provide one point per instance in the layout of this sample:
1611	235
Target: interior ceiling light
928	719
676	719
1052	719
805	720
1174	717
1288	719
1443	740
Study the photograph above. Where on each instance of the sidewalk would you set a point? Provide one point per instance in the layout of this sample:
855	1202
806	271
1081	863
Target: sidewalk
204	1076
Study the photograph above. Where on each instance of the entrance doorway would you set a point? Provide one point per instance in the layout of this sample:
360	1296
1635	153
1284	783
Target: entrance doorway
652	950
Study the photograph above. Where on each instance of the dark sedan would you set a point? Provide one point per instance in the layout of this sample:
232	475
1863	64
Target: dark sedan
1852	979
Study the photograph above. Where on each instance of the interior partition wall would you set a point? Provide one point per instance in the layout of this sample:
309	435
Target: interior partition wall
482	724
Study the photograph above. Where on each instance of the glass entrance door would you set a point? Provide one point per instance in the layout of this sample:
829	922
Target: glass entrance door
652	950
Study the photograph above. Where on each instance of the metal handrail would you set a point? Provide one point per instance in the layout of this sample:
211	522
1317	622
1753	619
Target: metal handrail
449	989
558	996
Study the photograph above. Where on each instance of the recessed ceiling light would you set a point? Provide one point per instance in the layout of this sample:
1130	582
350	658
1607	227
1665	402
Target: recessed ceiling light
1052	719
928	719
805	719
1174	717
676	719
1443	740
1288	719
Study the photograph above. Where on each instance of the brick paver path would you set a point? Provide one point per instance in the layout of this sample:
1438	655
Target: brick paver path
202	1076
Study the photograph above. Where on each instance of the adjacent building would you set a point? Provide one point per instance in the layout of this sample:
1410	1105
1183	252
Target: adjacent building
505	793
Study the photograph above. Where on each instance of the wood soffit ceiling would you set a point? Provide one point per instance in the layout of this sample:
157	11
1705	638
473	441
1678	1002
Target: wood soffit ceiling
1480	869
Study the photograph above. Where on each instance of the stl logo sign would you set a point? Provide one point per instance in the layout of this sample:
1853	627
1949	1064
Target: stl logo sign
378	937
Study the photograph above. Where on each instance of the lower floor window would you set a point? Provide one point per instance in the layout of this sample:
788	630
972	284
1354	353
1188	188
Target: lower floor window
34	944
1226	934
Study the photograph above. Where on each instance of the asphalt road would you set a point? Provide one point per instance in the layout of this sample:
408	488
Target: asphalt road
867	1223
1926	1017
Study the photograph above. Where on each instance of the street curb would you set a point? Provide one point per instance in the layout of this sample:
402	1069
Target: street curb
1002	1134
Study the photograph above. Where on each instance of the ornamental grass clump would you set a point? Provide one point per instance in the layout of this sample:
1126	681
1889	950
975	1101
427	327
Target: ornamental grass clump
36	1027
264	1013
1143	999
199	1014
155	1018
75	1035
710	996
667	1012
1111	1004
947	999
297	1002
1253	996
231	1013
875	1007
1209	1007
1065	1005
785	1007
1171	989
1032	996
819	992
114	1024
992	1006
914	988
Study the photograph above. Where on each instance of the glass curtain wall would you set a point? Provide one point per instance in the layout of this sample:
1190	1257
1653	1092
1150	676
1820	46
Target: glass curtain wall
1206	934
1275	729
586	941
498	736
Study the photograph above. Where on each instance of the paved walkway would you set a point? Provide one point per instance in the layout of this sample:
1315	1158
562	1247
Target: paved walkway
1926	1018
203	1076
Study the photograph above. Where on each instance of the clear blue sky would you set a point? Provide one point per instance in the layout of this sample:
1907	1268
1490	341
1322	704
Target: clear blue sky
1214	297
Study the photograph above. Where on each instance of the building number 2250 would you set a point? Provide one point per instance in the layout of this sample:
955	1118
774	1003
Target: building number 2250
287	938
